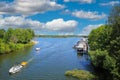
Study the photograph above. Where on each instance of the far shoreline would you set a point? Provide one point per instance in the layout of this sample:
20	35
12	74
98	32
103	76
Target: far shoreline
60	36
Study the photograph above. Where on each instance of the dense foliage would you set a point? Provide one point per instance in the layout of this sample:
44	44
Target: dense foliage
105	45
14	39
81	74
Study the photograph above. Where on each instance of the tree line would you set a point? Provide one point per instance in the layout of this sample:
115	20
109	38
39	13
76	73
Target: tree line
104	45
14	39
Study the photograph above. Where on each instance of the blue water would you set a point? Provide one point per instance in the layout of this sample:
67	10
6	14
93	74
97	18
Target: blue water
50	63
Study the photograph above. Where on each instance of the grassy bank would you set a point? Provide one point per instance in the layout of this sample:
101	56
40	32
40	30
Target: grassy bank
81	74
11	47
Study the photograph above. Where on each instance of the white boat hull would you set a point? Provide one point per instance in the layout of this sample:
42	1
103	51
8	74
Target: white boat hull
37	49
15	69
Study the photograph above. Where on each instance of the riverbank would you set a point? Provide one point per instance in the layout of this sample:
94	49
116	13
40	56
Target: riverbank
15	39
60	36
11	47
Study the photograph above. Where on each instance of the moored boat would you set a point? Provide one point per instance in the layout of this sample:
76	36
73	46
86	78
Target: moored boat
81	46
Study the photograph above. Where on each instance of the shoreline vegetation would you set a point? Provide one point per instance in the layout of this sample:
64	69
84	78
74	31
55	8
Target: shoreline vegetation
104	45
15	39
81	74
60	36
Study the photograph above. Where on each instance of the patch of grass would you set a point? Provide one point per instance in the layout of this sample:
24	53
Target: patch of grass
81	74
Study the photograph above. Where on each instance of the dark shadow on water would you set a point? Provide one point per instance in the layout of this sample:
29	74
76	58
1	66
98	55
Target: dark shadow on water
79	55
85	55
70	78
85	62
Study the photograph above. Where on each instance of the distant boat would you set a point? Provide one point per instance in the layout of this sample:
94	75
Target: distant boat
37	49
15	69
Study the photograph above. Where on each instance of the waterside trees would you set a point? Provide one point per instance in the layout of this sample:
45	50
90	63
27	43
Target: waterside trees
14	39
105	45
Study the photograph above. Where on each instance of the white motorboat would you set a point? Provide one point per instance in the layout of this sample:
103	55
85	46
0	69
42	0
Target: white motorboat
37	49
15	69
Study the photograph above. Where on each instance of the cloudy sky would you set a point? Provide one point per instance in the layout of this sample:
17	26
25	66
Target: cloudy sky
55	16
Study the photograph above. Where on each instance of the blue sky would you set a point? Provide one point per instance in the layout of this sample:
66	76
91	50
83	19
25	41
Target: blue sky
59	17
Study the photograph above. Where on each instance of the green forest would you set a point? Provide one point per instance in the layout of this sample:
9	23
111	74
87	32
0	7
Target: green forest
104	45
14	39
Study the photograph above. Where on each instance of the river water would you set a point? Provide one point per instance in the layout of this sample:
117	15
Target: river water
50	63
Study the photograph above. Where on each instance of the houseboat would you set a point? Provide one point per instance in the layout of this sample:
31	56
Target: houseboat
81	46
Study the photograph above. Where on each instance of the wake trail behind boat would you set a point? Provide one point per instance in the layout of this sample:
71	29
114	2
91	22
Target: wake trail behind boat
30	60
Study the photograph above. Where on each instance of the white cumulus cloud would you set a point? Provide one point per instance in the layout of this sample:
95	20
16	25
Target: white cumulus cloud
89	28
19	22
111	3
28	7
22	22
88	15
81	1
61	25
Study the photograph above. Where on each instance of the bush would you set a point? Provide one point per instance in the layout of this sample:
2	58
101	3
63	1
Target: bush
102	60
12	46
29	44
97	57
4	48
109	63
19	46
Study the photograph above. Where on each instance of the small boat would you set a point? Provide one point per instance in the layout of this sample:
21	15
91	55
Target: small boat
15	69
37	49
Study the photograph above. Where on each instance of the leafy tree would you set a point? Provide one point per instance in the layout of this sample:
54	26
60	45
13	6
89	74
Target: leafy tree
8	35
99	38
4	48
107	38
14	39
2	33
114	20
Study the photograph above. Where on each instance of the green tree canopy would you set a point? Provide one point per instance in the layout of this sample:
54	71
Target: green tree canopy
107	38
2	33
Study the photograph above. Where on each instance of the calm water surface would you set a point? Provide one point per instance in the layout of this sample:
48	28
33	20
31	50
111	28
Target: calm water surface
50	63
